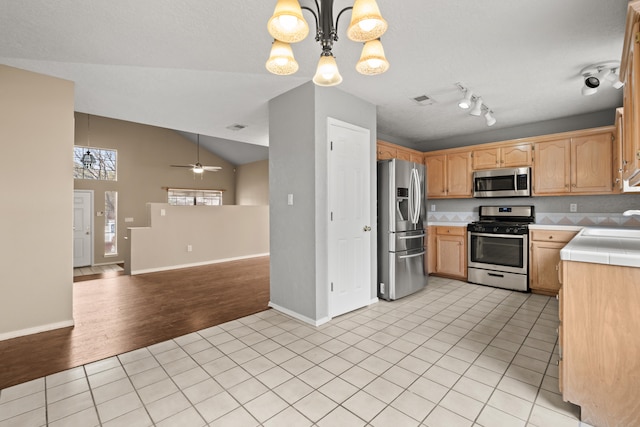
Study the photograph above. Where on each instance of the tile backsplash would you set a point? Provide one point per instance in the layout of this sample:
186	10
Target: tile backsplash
580	219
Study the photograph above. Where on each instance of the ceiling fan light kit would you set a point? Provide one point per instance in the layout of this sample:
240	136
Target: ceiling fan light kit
479	106
596	74
287	25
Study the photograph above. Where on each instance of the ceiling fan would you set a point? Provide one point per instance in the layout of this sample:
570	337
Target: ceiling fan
198	167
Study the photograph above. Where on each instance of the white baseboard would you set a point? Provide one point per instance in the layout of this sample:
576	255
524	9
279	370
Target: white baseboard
195	264
298	316
36	330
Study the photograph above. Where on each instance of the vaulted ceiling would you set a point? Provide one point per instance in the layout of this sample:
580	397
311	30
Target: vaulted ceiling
197	66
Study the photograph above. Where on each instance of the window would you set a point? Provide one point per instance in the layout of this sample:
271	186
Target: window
94	163
188	197
110	223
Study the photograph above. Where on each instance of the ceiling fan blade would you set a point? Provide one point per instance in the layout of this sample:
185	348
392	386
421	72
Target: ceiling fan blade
182	166
211	168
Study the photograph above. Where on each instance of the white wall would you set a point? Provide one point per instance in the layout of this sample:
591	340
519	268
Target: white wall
298	166
215	234
36	163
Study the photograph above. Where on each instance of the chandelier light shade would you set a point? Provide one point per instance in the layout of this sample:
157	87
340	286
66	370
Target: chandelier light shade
327	73
366	22
372	60
287	23
281	60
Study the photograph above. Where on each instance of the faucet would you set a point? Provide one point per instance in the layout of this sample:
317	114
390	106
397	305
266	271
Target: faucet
631	212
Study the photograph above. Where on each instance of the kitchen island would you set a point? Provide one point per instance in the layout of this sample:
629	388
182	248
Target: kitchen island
599	325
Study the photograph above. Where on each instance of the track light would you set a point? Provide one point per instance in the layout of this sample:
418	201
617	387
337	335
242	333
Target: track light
477	108
465	102
597	74
490	119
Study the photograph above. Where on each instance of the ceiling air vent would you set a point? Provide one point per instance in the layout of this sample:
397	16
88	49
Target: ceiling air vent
423	100
236	127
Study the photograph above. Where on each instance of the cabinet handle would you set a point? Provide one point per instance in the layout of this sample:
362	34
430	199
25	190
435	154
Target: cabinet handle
550	237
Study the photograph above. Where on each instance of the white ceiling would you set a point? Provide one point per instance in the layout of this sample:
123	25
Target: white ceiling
197	66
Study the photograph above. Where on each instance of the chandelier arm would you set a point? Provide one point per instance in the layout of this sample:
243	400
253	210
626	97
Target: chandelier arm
314	15
335	36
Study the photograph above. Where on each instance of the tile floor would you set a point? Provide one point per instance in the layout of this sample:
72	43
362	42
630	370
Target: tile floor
452	355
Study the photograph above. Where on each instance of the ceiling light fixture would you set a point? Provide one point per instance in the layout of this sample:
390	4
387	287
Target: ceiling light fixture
595	75
287	25
88	159
479	106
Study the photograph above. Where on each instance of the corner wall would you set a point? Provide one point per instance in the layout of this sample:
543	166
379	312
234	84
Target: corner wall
36	130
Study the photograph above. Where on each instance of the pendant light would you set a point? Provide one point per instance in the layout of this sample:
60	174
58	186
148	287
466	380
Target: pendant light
281	60
372	60
88	159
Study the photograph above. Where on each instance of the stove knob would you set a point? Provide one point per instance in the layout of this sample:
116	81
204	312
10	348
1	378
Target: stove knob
495	229
508	230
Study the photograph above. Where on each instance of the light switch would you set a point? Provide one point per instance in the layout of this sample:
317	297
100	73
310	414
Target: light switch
290	199
163	212
128	219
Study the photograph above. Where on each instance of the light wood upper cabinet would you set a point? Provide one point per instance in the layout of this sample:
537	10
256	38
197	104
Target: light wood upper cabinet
449	175
386	150
583	164
508	156
630	76
617	163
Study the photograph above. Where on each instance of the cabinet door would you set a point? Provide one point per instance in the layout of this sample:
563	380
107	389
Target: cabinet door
450	255
545	259
516	155
436	176
486	159
618	166
416	157
403	155
631	102
459	174
591	164
552	172
384	151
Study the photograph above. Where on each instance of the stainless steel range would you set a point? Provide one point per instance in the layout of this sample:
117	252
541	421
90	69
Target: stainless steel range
498	247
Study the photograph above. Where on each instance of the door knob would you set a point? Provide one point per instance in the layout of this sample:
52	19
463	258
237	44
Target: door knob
87	233
367	228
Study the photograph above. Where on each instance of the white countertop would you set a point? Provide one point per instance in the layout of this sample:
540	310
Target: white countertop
561	227
605	245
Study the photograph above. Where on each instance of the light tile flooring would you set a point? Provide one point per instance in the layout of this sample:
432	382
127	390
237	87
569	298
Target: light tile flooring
96	269
452	355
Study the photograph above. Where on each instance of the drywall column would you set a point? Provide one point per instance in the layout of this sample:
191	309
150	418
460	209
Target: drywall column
36	164
298	166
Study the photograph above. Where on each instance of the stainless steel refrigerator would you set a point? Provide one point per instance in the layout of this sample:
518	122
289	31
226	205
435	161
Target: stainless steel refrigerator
401	232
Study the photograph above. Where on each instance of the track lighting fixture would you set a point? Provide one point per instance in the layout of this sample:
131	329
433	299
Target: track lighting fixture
597	74
479	106
287	25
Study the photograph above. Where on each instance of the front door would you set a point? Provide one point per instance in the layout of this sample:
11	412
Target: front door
82	229
349	217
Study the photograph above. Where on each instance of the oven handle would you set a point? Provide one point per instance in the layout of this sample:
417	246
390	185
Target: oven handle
506	236
411	256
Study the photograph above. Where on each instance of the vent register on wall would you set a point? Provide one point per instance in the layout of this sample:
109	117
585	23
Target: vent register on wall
401	234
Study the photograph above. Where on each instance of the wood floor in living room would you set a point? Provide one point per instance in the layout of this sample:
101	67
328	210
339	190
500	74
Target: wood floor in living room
114	315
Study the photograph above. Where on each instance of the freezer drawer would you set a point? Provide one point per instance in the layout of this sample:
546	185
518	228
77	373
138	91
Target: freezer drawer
406	241
402	274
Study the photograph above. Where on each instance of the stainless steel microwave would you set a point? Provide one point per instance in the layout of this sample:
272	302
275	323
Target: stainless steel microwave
504	182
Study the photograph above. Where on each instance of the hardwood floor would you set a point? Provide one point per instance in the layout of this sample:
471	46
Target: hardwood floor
118	314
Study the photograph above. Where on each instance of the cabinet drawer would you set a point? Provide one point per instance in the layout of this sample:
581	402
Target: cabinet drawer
451	231
552	235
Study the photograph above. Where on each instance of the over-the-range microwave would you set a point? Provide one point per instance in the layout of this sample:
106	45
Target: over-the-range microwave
504	182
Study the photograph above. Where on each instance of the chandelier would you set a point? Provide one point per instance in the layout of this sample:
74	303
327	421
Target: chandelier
287	25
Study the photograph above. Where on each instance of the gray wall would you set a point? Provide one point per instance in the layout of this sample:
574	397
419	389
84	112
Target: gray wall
298	166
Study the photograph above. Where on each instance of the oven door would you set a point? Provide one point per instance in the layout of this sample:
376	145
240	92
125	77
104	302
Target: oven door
500	252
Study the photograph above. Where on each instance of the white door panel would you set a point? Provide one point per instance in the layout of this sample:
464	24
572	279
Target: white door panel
82	228
350	210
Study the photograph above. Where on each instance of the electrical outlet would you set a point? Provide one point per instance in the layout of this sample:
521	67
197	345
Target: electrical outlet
189	248
573	207
433	207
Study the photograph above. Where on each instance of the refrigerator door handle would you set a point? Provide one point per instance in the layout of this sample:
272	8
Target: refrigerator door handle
415	236
411	256
415	195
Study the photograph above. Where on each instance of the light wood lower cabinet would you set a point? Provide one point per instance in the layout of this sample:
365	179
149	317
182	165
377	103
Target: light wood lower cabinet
600	343
544	259
451	252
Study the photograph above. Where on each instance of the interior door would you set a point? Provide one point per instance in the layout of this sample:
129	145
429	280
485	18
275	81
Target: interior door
82	228
350	222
